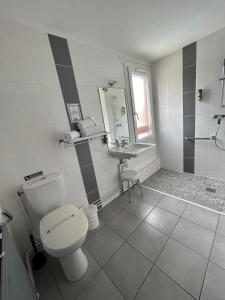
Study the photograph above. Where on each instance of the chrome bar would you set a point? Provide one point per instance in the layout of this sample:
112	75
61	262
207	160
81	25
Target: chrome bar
222	88
212	138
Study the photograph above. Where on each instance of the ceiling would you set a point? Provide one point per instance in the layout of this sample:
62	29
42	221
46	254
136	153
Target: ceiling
144	29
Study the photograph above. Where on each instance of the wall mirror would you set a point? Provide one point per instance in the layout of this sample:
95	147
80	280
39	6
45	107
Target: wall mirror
114	112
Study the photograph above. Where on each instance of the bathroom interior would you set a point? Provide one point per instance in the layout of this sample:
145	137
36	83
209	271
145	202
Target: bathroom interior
112	150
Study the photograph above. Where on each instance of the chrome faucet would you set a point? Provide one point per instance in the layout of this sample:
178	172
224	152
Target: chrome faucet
117	143
124	143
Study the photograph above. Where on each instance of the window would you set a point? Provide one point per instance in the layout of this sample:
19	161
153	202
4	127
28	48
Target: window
141	105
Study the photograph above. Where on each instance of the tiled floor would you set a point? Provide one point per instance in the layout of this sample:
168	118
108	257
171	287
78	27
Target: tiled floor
190	187
157	248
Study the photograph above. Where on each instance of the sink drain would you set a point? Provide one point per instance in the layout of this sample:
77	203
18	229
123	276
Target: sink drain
211	190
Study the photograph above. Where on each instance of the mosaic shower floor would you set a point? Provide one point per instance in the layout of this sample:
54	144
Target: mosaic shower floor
190	187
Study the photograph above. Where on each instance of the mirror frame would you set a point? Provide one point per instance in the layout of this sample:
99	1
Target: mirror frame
127	110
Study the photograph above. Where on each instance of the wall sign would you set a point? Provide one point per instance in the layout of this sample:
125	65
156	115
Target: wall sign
74	112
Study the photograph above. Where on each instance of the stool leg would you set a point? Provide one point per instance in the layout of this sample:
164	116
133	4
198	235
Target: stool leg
129	192
122	184
139	183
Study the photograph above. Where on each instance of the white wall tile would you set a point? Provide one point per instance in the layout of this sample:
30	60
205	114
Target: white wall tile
33	116
15	46
69	159
167	96
85	93
5	70
75	191
46	71
39	46
32	119
52	93
210	56
167	91
110	61
106	174
79	54
24	71
82	76
99	151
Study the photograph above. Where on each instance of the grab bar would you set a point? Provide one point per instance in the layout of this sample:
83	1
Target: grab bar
212	138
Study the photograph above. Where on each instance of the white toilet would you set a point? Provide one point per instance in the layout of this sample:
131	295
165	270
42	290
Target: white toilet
63	228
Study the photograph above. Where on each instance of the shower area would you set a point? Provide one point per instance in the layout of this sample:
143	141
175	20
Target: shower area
189	102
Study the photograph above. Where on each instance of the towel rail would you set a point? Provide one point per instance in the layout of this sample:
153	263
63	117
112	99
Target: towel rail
82	140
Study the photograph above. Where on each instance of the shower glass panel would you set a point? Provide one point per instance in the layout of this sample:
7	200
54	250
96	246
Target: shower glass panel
114	112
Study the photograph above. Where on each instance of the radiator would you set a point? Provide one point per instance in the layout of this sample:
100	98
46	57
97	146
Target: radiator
15	281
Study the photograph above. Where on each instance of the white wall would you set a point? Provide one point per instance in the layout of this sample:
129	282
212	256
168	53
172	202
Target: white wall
93	68
33	117
168	103
167	89
209	160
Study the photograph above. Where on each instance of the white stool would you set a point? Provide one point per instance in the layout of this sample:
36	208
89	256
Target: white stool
131	177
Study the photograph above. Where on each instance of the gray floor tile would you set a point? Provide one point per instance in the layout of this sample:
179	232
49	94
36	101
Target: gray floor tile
70	290
148	240
124	224
122	201
195	237
221	225
160	287
218	251
103	244
139	208
201	216
162	220
150	196
91	233
128	269
184	266
109	212
173	205
214	287
101	288
46	284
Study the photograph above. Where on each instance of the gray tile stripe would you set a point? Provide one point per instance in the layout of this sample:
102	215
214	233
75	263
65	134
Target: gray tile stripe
61	54
189	87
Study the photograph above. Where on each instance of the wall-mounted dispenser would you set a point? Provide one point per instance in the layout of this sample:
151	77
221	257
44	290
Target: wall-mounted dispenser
200	94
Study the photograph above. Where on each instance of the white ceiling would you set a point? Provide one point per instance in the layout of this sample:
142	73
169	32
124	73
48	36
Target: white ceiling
147	29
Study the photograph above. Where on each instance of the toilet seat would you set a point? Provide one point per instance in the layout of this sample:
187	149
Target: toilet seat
63	230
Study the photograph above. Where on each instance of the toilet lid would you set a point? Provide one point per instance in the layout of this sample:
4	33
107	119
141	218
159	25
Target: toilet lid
63	227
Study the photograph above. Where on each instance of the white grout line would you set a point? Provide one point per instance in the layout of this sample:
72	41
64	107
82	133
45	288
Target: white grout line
206	269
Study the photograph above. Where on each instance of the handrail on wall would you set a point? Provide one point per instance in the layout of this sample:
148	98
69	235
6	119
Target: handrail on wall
211	138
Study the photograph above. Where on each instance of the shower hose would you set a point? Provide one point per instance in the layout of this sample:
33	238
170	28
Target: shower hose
217	131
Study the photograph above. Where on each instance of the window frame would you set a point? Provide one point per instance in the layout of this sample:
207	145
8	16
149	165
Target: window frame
146	74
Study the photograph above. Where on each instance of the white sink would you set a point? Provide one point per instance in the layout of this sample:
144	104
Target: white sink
131	150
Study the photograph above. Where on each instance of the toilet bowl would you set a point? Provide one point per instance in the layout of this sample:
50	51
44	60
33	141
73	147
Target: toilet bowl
61	227
62	232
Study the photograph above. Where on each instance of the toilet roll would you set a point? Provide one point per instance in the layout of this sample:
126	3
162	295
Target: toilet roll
71	136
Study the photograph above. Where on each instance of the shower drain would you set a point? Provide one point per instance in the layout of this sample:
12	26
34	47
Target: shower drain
211	190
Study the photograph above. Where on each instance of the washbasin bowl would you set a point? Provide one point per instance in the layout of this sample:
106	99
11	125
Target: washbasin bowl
130	150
